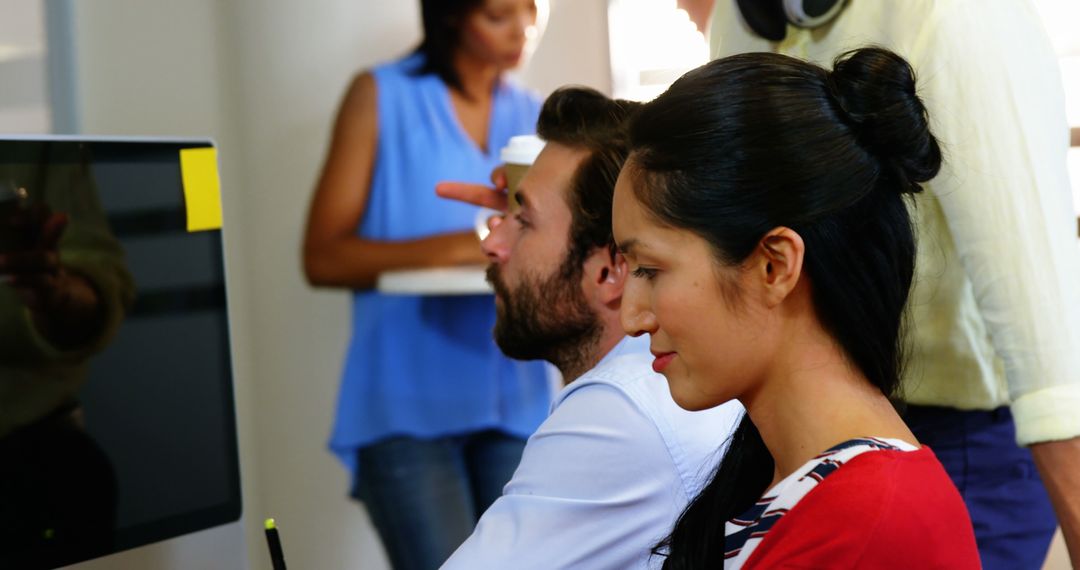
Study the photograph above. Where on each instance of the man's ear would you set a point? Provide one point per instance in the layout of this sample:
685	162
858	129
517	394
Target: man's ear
605	275
777	264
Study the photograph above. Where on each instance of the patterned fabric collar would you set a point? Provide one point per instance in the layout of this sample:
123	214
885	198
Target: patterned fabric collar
744	532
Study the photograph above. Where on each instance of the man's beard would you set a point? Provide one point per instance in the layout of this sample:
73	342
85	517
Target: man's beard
545	318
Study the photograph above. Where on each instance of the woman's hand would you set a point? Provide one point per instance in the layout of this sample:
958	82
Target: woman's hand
333	255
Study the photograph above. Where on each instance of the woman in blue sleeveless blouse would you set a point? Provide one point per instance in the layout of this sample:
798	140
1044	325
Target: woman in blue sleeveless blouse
431	418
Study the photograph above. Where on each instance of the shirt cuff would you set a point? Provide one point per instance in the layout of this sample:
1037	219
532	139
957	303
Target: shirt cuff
1049	414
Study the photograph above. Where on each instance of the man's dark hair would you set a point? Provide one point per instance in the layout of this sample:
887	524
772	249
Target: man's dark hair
583	118
442	35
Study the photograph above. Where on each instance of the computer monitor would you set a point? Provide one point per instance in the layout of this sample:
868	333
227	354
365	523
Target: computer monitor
117	421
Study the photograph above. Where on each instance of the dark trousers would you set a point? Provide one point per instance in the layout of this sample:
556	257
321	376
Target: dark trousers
424	496
1010	510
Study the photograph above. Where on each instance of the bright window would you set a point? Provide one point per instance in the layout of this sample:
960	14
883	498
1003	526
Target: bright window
652	43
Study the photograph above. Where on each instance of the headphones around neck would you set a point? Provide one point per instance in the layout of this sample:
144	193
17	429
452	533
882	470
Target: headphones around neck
769	18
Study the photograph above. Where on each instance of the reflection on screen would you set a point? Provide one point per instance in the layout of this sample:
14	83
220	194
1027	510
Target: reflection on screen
116	411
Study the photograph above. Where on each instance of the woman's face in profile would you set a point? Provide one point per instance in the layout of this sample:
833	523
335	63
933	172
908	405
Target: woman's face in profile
497	31
701	333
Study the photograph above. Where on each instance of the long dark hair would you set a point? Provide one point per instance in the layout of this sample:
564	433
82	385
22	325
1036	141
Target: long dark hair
748	143
442	21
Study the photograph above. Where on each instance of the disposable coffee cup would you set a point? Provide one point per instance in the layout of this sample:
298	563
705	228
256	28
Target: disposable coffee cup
517	156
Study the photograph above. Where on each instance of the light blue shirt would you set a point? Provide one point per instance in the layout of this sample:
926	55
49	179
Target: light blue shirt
605	477
427	366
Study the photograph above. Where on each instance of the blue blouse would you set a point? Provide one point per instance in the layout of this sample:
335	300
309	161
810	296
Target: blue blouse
426	366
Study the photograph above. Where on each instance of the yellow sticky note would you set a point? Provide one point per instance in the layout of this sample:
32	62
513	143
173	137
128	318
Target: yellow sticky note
202	188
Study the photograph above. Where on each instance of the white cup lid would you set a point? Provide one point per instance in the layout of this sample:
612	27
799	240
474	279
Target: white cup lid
522	149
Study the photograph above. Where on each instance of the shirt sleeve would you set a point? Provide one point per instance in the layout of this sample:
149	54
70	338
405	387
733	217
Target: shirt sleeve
998	110
596	488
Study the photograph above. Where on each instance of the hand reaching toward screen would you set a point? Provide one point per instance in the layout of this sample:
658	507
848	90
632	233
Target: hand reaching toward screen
493	197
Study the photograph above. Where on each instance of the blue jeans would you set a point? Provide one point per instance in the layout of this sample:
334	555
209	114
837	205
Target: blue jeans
1010	510
424	496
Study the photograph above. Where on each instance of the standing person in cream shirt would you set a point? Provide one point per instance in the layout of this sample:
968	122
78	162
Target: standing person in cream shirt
994	332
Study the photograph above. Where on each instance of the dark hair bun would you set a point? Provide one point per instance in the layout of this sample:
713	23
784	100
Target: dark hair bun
876	92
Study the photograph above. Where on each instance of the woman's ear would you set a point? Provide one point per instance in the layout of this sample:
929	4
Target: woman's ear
778	264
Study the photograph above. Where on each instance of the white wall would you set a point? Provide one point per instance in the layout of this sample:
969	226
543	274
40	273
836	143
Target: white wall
157	68
264	77
573	50
23	101
294	61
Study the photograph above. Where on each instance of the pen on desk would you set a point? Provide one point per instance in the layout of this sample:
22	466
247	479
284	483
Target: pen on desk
277	557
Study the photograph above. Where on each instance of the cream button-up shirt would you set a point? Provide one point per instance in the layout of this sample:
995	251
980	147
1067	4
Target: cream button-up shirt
995	308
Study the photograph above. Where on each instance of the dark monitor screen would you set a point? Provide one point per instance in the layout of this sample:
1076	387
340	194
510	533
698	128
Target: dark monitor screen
117	422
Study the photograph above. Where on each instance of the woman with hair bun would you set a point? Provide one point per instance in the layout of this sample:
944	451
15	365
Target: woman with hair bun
762	211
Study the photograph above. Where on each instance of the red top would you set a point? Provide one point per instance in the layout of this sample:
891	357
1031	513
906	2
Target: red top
883	509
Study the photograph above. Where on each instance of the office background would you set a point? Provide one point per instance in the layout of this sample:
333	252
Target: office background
263	78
